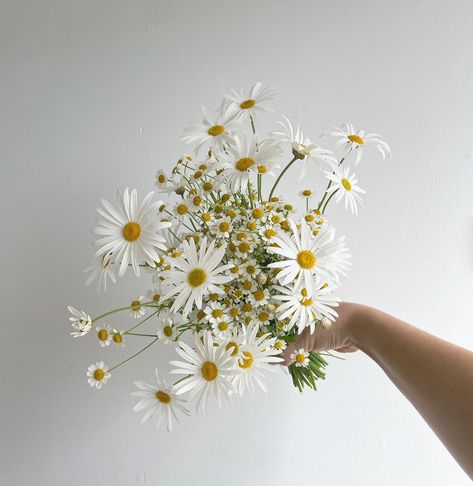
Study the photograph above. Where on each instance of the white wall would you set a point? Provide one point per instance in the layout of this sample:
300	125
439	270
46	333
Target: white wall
93	97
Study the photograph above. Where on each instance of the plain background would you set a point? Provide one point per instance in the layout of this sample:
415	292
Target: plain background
94	96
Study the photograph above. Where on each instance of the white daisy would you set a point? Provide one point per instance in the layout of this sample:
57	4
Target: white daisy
130	232
101	270
268	232
303	149
207	369
222	328
245	156
98	374
118	337
258	356
160	400
300	358
233	341
254	102
167	326
195	274
280	345
137	310
161	179
305	254
304	308
216	312
259	297
80	321
358	140
104	335
213	129
345	186
223	227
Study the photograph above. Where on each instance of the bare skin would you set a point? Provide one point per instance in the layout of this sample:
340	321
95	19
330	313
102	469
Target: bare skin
434	375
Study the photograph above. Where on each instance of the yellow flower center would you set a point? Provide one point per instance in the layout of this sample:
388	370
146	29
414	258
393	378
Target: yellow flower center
200	314
161	178
234	312
196	277
244	247
258	295
306	259
244	164
233	345
167	331
356	139
99	374
346	184
181	209
269	233
217	313
197	201
307	193
251	269
102	334
247	284
117	338
207	186
223	227
206	217
223	326
209	371
300	358
163	397
251	225
307	302
246	361
262	169
247	307
245	105
264	316
257	213
156	297
131	231
135	305
216	130
279	345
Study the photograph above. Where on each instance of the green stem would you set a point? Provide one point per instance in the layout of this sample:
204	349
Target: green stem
118	310
142	322
280	176
328	200
134	355
140	334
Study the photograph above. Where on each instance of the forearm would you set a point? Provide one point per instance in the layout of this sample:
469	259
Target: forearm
436	376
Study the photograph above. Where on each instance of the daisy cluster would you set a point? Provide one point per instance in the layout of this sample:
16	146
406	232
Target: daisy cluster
237	269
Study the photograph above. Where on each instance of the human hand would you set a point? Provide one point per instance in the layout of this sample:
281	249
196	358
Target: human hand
336	338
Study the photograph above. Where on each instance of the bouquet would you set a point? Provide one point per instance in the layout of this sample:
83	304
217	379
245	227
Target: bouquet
234	267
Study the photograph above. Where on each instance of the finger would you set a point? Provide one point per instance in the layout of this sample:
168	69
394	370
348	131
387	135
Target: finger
287	354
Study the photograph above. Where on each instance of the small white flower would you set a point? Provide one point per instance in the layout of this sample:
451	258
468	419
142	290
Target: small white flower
160	400
300	358
104	335
98	374
102	271
80	321
167	326
345	187
216	312
137	310
223	227
118	337
254	102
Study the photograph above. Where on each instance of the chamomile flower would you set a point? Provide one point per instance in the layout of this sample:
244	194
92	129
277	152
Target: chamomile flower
358	140
130	232
268	232
233	341
303	149
246	156
104	335
167	326
345	187
101	270
305	254
207	368
280	345
137	310
80	321
98	374
181	210
160	401
253	102
222	327
250	268
258	356
213	129
195	274
259	297
161	179
300	358
216	312
154	294
118	337
304	309
223	227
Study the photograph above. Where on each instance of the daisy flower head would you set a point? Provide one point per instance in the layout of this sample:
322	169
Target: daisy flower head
280	345
216	312
167	326
233	341
80	321
137	310
304	255
223	227
303	148
213	129
258	356
305	309
300	357
248	105
98	375
104	335
208	370
118	337
246	156
161	179
102	271
358	140
345	187
160	402
195	274
268	232
130	232
222	327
